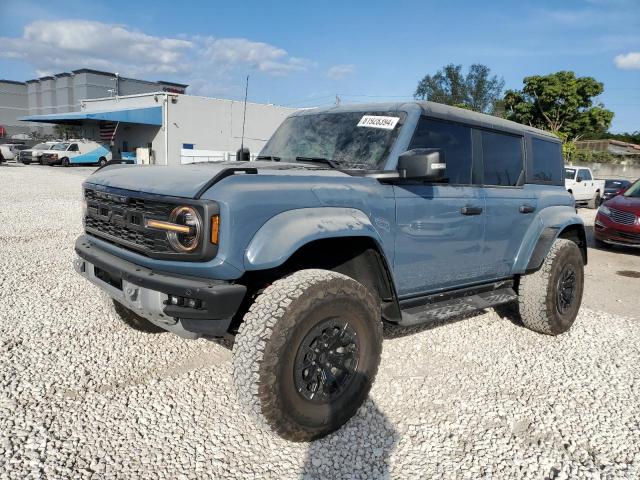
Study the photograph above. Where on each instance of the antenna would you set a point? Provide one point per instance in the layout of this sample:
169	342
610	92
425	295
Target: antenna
244	116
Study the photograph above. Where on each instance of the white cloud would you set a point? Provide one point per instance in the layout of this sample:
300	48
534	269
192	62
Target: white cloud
338	72
628	61
54	46
71	44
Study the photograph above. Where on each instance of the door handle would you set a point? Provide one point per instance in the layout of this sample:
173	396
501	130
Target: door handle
471	210
527	208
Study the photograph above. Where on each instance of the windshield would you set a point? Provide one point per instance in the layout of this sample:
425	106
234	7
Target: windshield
60	146
353	140
616	184
41	146
569	173
633	191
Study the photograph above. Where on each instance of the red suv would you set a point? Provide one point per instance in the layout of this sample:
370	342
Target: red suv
618	219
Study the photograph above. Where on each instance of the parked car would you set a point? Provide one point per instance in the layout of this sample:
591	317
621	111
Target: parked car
618	219
352	216
11	150
614	187
34	154
580	182
76	152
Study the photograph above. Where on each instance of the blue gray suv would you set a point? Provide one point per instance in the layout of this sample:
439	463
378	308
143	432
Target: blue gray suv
350	218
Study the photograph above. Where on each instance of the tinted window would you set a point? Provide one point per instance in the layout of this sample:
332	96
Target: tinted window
454	140
584	174
547	161
569	173
73	147
502	158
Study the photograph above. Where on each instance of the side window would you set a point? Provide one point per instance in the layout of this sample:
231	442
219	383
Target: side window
547	161
73	147
584	174
454	140
502	158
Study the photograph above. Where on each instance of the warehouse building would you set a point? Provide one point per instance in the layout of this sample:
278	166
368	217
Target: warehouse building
170	128
63	93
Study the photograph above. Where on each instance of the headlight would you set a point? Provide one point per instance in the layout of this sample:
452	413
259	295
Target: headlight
604	210
185	239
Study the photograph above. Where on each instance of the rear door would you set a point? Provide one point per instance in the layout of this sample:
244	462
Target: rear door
510	207
586	186
440	227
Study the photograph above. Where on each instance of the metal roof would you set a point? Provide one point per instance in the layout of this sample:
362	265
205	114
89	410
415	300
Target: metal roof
436	110
145	116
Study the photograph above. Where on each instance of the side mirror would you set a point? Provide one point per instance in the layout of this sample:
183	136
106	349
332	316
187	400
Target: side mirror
423	163
578	179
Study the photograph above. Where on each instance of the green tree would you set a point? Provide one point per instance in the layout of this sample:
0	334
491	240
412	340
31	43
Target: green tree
66	132
476	90
560	103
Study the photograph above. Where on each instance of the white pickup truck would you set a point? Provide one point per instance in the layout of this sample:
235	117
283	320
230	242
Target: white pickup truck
580	183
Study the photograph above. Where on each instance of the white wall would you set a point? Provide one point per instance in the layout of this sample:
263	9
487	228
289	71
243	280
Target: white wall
207	123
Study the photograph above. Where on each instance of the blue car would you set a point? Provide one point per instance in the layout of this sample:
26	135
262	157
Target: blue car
350	218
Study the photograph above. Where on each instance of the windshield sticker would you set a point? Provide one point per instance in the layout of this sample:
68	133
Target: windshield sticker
375	121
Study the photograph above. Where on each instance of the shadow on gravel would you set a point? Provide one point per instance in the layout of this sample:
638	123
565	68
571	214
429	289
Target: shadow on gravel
360	449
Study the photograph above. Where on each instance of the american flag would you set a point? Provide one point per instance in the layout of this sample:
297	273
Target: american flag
108	131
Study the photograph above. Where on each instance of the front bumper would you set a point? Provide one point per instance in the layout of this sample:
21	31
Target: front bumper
614	233
146	292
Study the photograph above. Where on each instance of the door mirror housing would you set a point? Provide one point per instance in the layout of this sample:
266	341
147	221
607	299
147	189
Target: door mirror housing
423	163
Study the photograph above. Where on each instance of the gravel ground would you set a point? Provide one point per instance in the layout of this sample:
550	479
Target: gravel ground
82	396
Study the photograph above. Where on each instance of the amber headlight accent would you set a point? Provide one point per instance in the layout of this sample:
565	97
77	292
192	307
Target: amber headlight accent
215	229
186	236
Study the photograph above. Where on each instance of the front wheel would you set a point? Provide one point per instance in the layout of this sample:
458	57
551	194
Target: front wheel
65	162
307	353
550	298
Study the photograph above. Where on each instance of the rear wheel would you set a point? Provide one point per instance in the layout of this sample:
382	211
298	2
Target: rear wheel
65	162
134	320
550	298
595	201
102	162
307	353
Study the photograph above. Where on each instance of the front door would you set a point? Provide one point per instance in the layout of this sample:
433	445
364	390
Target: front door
440	227
439	237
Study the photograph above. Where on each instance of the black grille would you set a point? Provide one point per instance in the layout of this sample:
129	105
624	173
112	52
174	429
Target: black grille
621	217
634	237
121	219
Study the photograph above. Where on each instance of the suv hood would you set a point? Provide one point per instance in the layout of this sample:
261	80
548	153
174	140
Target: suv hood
627	204
187	180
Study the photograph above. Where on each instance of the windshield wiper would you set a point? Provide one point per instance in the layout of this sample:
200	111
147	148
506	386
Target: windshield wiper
270	158
326	161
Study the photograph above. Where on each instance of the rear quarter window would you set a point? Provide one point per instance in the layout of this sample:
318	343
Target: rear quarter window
546	165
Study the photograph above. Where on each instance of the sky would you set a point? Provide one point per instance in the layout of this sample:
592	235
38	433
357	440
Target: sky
303	54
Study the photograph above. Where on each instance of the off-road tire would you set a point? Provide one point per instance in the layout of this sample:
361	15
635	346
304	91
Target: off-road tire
134	320
267	343
64	162
538	292
595	201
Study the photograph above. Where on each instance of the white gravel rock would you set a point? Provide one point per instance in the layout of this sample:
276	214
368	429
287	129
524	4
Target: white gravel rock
83	396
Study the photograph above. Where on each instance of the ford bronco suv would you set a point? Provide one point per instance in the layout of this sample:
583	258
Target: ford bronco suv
351	217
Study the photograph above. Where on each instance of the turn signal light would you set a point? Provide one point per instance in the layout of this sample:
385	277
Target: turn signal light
215	229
